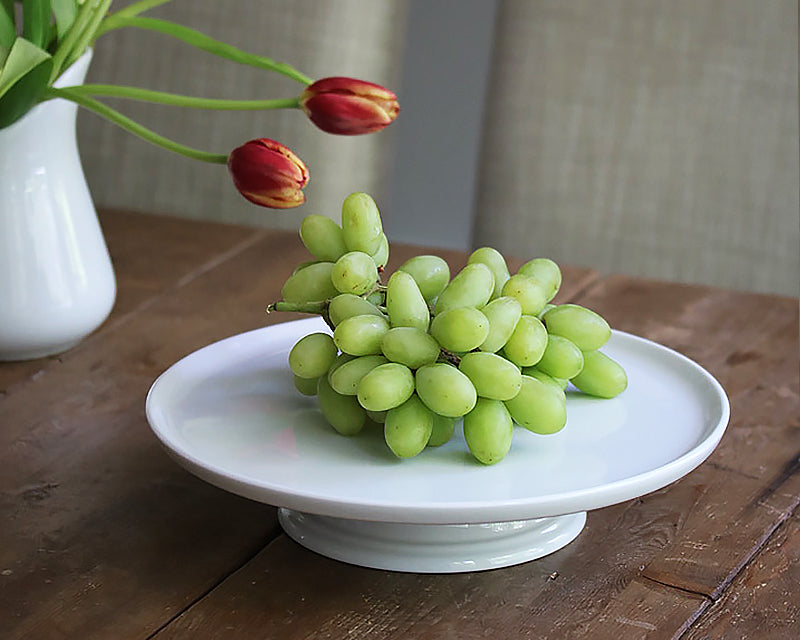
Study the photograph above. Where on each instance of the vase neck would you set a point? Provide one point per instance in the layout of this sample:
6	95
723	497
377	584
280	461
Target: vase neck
76	72
56	112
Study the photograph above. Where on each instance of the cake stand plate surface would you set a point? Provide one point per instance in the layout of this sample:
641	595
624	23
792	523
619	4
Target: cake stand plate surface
229	413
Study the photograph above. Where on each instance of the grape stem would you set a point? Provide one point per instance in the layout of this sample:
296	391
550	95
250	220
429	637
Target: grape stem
449	357
301	307
379	287
319	308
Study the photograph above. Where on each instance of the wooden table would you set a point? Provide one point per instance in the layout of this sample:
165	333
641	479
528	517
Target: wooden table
104	536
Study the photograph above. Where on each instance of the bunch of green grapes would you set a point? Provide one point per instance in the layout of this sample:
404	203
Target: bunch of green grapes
424	350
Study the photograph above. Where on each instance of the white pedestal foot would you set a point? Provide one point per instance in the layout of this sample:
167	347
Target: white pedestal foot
431	548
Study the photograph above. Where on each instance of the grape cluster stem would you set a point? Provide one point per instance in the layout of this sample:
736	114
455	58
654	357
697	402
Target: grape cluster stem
317	308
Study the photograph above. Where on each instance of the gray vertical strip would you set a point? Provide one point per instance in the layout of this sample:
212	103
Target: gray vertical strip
442	97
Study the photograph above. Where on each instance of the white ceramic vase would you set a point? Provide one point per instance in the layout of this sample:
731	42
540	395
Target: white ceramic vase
57	283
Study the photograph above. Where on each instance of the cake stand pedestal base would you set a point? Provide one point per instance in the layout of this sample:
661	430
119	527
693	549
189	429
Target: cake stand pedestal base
431	548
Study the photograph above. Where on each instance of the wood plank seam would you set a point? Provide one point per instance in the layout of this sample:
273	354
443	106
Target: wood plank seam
784	475
213	263
791	468
663	583
204	268
258	549
692	619
719	593
722	467
593	280
691	626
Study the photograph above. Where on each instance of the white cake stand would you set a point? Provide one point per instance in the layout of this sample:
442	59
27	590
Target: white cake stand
229	413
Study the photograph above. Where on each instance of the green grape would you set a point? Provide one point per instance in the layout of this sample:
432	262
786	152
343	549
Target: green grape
561	358
306	386
443	430
503	313
431	274
346	377
587	329
493	376
558	383
470	287
493	259
361	223
303	265
539	406
378	298
378	417
445	390
527	342
310	284
460	329
323	237
347	305
361	335
343	413
404	302
488	430
385	387
409	346
381	256
527	291
408	428
546	272
338	362
312	356
355	272
601	376
545	309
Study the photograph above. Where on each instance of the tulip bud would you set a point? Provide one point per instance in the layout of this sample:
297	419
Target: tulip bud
268	174
348	106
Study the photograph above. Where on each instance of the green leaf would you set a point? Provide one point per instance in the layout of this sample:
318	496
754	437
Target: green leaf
24	95
8	32
23	58
36	21
23	78
65	12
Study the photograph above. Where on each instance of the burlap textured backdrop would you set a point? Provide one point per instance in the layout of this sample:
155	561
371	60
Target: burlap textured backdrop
650	137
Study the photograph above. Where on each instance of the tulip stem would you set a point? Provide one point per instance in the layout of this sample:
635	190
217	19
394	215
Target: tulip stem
203	42
133	127
139	7
67	46
177	100
88	34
